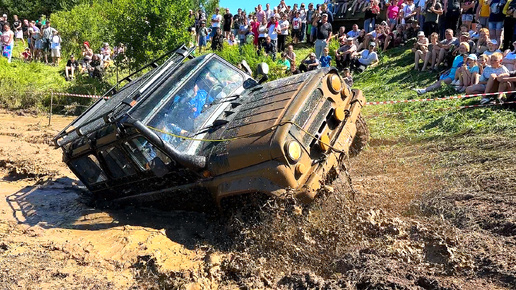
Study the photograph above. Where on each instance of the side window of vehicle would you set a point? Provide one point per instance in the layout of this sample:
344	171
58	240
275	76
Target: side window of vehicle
117	162
144	153
88	169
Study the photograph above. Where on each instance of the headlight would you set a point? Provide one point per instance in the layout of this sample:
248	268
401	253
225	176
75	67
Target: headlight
324	142
339	114
346	92
293	150
334	83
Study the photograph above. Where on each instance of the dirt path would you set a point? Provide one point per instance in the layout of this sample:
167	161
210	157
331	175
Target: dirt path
439	215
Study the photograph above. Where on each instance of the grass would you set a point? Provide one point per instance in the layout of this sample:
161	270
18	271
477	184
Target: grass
29	85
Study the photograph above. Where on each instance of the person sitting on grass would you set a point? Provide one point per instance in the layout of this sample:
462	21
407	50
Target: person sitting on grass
26	55
364	58
443	48
348	78
434	39
468	73
449	76
325	59
311	63
71	67
492	47
420	49
284	63
344	53
488	82
507	82
509	59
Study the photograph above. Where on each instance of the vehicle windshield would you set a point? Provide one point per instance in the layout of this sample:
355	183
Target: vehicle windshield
188	109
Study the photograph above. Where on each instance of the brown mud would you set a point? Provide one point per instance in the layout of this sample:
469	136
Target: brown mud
434	215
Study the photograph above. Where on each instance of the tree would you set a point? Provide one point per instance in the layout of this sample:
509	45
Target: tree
84	22
149	28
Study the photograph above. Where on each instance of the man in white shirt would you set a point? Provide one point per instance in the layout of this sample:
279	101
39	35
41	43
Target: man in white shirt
215	22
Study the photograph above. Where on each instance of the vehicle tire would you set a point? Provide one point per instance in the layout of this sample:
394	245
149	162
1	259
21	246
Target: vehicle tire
361	137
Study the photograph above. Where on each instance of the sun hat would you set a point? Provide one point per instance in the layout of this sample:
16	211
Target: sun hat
420	33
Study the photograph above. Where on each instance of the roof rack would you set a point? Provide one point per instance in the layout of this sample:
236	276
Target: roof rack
104	110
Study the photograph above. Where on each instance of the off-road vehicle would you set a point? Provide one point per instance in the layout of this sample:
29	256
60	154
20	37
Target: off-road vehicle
201	123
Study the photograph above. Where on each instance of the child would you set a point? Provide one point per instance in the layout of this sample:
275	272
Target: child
348	79
291	56
284	62
55	47
325	58
26	55
461	67
469	73
296	28
201	35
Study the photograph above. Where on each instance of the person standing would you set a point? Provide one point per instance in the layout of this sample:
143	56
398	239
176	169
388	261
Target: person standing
451	14
273	27
323	34
48	33
302	15
7	42
228	23
432	10
284	27
17	27
216	18
309	20
496	19
55	47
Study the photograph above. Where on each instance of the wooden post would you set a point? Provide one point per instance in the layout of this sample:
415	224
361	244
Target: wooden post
51	103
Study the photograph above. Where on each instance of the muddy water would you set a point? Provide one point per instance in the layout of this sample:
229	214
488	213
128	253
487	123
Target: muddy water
41	212
438	215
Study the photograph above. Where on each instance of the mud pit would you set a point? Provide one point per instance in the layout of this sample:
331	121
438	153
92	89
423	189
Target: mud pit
438	215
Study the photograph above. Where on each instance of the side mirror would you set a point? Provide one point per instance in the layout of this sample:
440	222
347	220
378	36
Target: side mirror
262	69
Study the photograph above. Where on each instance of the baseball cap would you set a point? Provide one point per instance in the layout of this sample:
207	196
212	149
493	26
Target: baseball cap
466	34
473	56
493	41
324	14
372	43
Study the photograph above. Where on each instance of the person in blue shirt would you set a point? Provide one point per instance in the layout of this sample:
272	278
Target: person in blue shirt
325	58
448	77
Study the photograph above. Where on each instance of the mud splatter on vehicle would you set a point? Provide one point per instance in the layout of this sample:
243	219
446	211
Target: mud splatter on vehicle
200	122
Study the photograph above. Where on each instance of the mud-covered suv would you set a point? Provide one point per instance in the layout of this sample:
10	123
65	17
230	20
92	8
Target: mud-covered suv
201	123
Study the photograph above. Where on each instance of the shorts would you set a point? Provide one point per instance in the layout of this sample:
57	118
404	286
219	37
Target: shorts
202	40
227	28
19	34
56	52
38	44
483	21
393	21
46	45
496	25
467	17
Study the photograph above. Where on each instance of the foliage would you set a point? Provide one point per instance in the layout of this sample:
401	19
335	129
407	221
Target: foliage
235	54
84	22
150	28
29	85
33	9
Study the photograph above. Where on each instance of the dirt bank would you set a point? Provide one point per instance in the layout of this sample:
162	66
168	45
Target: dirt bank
435	215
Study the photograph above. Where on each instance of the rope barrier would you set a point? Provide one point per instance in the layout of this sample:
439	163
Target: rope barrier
441	109
79	95
436	99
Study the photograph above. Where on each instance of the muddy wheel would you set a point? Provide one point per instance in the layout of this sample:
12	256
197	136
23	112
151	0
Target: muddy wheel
361	138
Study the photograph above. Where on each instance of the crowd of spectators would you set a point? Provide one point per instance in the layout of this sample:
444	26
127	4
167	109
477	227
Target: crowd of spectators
468	43
42	42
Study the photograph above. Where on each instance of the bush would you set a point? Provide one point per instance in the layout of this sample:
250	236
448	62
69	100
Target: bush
235	54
